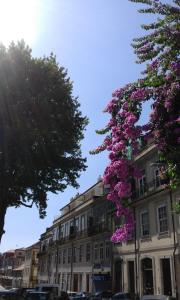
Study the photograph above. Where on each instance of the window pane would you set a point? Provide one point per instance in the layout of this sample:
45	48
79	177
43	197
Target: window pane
145	223
162	215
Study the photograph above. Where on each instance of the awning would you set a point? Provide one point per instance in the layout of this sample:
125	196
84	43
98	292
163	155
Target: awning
20	268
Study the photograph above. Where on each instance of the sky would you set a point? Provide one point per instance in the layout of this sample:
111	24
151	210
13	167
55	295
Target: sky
91	39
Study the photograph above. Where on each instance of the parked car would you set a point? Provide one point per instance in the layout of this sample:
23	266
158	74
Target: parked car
51	288
38	296
122	296
156	297
101	295
71	295
8	295
82	296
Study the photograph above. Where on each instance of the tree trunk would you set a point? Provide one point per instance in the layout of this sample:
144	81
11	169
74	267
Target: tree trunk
3	209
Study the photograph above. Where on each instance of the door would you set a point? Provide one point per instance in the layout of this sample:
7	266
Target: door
131	277
166	276
147	276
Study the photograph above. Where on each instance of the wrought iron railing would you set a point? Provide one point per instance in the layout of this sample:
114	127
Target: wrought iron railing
147	189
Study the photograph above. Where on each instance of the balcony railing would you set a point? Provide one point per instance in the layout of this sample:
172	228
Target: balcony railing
148	188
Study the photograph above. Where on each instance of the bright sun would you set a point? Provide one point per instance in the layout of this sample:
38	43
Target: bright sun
18	20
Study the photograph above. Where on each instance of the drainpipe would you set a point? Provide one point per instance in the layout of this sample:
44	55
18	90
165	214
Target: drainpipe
72	257
175	246
135	250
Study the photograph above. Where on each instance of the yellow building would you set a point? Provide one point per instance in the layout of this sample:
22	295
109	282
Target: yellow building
30	266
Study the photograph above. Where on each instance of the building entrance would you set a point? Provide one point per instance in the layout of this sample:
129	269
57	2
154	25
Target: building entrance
166	276
75	282
147	276
131	277
118	276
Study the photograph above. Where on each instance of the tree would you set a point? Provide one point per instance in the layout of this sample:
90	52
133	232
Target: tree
160	49
41	127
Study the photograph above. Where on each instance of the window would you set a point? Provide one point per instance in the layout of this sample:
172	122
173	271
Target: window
162	219
74	255
145	224
142	183
66	229
81	253
82	223
96	252
59	278
64	256
69	255
68	282
55	257
63	282
88	252
101	251
157	178
107	250
59	257
62	231
77	224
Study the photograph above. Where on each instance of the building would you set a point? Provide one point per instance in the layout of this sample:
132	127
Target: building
149	262
17	272
75	251
7	265
11	267
30	267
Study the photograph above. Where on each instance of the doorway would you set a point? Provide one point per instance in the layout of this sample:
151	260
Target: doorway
147	276
131	277
166	276
75	288
118	276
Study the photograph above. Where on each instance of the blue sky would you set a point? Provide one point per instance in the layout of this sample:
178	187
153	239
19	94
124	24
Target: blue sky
91	38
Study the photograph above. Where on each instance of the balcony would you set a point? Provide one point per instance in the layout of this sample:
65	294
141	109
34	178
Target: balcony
148	189
98	228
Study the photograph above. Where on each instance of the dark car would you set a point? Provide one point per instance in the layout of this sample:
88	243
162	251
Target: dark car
38	296
156	297
102	295
8	295
122	296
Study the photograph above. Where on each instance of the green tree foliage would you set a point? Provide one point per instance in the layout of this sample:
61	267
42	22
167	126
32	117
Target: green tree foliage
41	127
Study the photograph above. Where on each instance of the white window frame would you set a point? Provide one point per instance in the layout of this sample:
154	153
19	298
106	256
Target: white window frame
77	224
158	220
107	249
157	179
101	251
143	179
96	252
66	229
141	228
82	222
81	252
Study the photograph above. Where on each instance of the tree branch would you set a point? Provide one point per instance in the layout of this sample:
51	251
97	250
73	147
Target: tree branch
26	205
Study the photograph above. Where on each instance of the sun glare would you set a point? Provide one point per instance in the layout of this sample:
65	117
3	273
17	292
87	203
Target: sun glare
18	20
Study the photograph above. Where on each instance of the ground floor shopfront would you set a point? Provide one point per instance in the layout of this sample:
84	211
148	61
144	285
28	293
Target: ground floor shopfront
155	272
